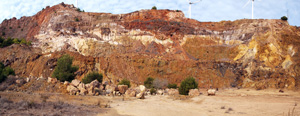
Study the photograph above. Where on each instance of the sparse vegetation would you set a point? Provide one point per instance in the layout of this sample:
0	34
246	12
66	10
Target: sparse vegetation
154	8
186	85
3	33
152	91
284	18
64	71
149	82
125	82
160	83
76	19
5	71
174	86
10	27
10	41
177	10
79	10
91	77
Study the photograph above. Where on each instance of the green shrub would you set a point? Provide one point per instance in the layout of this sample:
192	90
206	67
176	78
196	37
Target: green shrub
3	33
4	72
186	85
91	77
149	82
76	19
64	71
152	91
284	18
174	86
23	41
7	42
8	71
125	82
16	41
154	8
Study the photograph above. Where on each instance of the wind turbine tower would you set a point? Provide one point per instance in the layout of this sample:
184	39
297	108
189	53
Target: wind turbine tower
252	7
190	7
76	3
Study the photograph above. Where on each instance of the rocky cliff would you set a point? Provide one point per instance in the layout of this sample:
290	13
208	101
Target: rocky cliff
157	43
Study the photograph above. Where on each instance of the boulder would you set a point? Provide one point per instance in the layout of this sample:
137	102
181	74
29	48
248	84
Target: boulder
141	94
159	92
122	88
91	90
95	83
81	86
211	92
194	92
130	93
75	82
51	80
82	89
72	89
27	79
172	92
66	83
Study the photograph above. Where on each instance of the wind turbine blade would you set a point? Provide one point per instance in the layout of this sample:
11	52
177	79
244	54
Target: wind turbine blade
196	2
246	3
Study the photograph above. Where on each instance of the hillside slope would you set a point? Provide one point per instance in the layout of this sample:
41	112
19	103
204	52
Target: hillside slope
157	43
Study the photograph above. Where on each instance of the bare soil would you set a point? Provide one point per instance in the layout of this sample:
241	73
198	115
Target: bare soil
233	102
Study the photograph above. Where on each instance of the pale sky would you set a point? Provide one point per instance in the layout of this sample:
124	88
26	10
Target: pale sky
206	10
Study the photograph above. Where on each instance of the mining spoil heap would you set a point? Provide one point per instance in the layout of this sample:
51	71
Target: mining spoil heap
164	44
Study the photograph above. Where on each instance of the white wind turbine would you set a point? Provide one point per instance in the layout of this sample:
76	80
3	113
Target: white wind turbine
190	7
252	6
76	3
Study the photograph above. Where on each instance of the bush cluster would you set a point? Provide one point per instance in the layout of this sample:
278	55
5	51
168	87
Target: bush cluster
91	77
186	85
174	86
9	41
152	91
64	71
125	82
149	82
5	71
284	18
154	8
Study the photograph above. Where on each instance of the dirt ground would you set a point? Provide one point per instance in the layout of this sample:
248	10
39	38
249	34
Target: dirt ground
233	102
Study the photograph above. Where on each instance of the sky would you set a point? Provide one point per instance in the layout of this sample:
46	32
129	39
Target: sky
206	10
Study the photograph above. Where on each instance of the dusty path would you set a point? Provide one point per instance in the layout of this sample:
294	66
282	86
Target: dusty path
227	102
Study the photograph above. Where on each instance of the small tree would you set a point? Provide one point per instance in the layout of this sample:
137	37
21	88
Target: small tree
154	8
4	72
149	82
91	77
125	82
186	85
174	86
152	91
284	18
64	71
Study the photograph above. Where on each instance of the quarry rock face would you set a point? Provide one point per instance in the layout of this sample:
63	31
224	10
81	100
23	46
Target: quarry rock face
156	43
